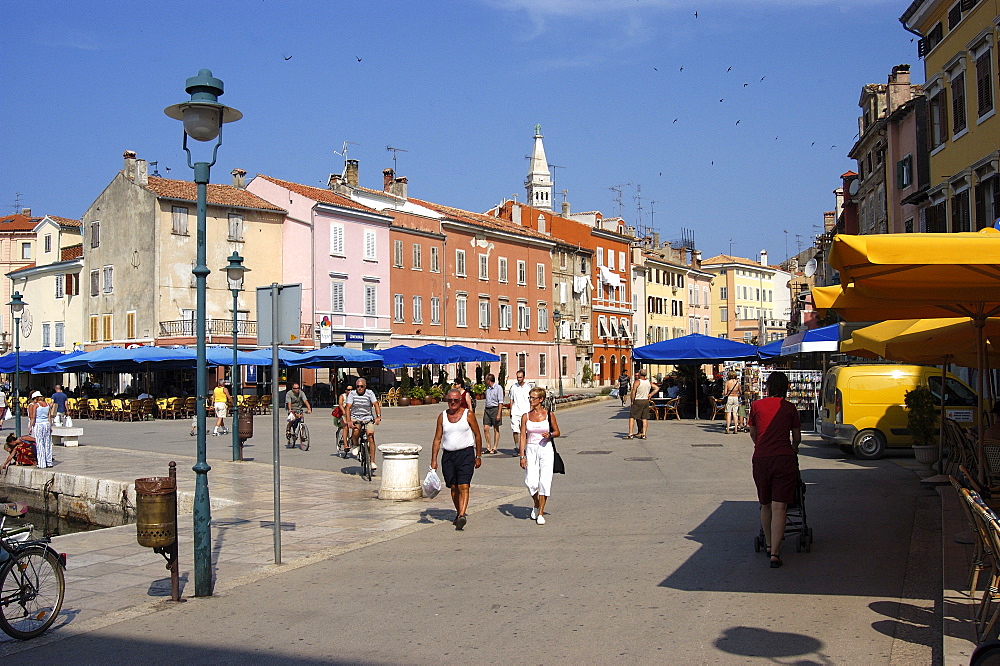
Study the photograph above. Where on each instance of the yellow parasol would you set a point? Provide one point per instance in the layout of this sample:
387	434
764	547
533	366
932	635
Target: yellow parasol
926	341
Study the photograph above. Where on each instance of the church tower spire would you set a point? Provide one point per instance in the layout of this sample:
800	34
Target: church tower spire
539	180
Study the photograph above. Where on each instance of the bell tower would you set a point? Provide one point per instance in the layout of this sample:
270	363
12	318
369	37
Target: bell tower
539	181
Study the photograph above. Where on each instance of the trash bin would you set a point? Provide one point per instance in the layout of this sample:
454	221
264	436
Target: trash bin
245	425
156	511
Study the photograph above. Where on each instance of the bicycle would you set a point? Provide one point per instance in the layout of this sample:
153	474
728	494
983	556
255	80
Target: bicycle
299	431
32	583
366	464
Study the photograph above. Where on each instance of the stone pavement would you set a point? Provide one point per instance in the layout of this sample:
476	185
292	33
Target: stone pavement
647	553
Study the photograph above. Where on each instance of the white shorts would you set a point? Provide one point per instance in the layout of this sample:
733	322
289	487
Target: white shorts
538	473
732	404
515	422
220	410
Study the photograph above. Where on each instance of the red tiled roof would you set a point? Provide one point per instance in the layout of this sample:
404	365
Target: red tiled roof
481	220
71	252
65	221
728	259
318	194
18	222
22	268
219	195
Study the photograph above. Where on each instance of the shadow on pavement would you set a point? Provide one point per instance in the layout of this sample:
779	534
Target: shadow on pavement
755	642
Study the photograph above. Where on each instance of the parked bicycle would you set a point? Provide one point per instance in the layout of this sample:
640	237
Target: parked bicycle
32	583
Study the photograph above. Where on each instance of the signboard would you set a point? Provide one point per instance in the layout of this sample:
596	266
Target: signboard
960	415
354	337
326	331
289	308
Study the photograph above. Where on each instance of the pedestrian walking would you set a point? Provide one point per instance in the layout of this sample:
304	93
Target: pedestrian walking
59	398
340	419
776	433
732	397
624	383
40	416
220	398
492	417
518	404
457	432
642	391
538	427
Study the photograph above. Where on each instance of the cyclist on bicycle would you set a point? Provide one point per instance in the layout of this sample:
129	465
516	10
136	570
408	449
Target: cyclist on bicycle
296	403
363	409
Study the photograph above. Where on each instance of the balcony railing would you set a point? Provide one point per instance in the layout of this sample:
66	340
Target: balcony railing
184	328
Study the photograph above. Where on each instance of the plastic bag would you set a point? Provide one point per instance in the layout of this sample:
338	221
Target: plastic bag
614	393
431	484
68	421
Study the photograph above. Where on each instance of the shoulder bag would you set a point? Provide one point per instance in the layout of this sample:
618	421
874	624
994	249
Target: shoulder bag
558	466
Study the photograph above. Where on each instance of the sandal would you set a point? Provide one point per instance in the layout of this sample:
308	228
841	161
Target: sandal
640	437
775	562
627	437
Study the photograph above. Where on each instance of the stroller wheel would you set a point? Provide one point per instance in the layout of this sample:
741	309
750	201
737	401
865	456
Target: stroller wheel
756	544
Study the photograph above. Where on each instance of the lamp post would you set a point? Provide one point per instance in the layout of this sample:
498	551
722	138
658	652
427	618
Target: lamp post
557	318
203	117
16	308
234	274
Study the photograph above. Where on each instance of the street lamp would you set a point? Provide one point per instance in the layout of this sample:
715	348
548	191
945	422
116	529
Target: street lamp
203	117
16	308
557	318
234	273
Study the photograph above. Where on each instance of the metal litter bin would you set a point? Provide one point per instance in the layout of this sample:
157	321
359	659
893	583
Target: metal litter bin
156	511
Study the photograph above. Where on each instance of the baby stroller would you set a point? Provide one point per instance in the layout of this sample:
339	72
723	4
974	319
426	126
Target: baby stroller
795	523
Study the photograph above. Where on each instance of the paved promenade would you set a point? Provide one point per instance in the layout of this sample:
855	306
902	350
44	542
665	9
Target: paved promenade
647	556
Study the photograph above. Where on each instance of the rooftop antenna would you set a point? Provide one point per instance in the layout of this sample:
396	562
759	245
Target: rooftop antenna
652	211
641	228
343	151
17	202
156	172
394	151
555	166
617	189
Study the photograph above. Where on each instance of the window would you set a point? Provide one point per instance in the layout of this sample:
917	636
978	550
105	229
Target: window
958	102
397	253
460	263
583	266
371	303
107	325
904	172
60	335
95	283
397	308
562	259
502	269
621	260
179	220
600	256
48	243
484	267
95	234
130	325
235	227
72	284
26	250
109	279
954	16
723	293
938	120
522	362
95	326
484	314
435	310
543	320
602	327
46	335
987	202
435	260
370	241
418	309
59	285
418	258
540	275
960	218
723	314
542	369
337	240
565	364
523	317
506	317
461	304
611	259
984	84
522	273
337	297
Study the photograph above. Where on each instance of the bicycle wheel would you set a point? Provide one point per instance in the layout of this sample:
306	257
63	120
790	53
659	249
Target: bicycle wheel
366	467
31	592
291	435
303	437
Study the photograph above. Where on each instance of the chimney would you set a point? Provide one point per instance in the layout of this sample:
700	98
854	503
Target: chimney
351	172
763	257
515	214
900	91
696	258
129	156
333	182
26	212
398	187
656	239
387	176
239	178
565	209
142	172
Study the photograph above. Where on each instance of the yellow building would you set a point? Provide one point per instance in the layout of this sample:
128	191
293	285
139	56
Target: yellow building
750	300
958	41
666	301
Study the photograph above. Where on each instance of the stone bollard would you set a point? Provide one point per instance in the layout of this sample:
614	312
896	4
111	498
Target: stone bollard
400	472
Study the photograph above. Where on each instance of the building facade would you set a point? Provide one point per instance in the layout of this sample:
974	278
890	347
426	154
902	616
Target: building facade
750	299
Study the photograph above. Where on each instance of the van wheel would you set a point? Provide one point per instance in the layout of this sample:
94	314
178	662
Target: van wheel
869	445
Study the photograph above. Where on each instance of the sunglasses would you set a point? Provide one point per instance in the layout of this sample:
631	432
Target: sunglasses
454	400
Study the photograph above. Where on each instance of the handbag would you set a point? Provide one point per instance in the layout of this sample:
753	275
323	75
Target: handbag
558	466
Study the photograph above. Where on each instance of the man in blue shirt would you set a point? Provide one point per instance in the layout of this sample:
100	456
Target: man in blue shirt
492	417
59	398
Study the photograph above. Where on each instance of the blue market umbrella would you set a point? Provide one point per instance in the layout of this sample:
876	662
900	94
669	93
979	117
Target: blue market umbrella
129	360
824	339
218	355
335	355
54	364
463	354
771	349
29	359
263	357
402	356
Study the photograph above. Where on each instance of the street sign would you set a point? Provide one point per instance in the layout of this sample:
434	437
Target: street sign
354	337
289	310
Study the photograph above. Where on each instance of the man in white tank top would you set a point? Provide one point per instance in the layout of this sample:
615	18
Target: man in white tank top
458	434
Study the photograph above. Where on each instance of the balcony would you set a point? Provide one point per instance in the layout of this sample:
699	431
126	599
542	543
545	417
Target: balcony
222	329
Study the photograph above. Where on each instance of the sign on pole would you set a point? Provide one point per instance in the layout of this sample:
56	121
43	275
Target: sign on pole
289	310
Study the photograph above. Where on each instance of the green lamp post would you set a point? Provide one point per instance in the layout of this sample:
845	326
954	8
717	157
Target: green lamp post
234	274
203	117
16	308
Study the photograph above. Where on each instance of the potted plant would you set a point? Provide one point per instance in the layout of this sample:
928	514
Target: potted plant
922	424
479	391
434	394
417	395
404	388
587	376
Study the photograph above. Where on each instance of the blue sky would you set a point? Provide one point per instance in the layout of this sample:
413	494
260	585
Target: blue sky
460	85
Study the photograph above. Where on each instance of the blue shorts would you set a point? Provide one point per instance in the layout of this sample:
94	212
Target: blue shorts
457	467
